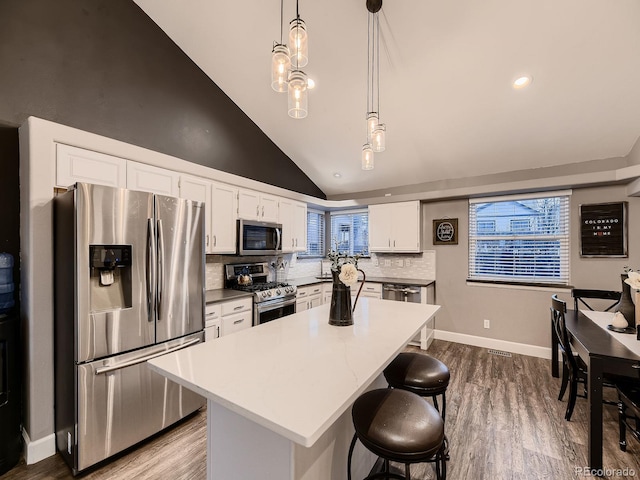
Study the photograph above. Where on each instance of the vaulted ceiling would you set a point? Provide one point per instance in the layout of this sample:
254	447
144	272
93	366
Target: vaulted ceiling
446	93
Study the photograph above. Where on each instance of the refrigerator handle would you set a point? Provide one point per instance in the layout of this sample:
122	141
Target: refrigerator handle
150	270
136	361
160	275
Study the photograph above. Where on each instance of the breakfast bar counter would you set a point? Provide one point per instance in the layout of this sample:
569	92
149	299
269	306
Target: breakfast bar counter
279	394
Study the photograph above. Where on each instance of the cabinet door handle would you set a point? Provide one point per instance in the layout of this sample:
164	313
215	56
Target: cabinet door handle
238	321
257	210
215	240
239	307
389	242
263	211
394	243
207	240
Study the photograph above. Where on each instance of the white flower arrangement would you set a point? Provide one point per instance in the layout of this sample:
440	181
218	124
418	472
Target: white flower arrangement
633	279
349	274
346	266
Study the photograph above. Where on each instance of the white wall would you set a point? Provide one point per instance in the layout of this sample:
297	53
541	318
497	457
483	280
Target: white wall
519	315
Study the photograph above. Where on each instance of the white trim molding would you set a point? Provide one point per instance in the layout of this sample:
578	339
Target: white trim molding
39	449
484	342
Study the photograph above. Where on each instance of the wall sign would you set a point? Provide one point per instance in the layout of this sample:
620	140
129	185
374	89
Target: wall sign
603	230
445	231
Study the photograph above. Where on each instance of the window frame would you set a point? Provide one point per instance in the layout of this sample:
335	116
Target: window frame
538	236
322	234
362	212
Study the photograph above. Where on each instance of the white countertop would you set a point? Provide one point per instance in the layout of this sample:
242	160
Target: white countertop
298	374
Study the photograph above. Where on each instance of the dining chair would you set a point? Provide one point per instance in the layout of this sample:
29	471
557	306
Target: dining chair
580	294
628	411
574	370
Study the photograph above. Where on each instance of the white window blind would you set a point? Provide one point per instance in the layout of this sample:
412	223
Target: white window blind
315	234
350	232
520	238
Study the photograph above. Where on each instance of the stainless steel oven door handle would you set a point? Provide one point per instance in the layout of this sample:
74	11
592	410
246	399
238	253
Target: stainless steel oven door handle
267	306
135	361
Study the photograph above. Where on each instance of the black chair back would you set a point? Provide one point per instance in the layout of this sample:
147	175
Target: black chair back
580	294
558	309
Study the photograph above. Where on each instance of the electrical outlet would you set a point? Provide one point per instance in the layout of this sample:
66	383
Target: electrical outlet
487	324
407	263
400	263
387	262
375	261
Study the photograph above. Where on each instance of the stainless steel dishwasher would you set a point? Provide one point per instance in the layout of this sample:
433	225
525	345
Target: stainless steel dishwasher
401	293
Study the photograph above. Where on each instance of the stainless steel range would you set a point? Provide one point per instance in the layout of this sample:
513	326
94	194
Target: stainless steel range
271	299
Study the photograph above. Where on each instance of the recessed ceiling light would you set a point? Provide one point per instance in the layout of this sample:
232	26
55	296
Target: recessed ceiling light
337	175
522	81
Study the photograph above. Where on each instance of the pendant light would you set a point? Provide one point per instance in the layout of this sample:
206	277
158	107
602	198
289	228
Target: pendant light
367	157
280	61
297	94
376	131
286	73
298	40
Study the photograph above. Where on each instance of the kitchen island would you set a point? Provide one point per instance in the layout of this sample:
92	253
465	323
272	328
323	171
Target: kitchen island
279	394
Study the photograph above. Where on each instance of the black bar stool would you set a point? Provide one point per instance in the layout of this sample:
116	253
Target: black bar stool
421	374
398	426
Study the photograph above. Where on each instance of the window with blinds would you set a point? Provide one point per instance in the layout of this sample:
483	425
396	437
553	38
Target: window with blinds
350	232
315	235
521	238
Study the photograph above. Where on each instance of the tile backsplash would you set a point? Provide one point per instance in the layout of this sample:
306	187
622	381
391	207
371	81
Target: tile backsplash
414	265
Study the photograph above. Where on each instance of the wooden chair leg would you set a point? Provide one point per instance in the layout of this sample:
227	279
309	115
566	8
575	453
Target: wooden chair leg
623	427
565	380
573	394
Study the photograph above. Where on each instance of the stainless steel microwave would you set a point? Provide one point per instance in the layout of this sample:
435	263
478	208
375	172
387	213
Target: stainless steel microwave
259	238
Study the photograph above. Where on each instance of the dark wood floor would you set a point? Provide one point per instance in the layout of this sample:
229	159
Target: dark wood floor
503	422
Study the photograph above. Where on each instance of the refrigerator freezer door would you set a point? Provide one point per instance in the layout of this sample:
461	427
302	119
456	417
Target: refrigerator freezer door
113	216
180	270
121	401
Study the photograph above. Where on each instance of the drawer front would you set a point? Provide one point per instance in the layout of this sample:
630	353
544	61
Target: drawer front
236	322
372	288
236	306
213	311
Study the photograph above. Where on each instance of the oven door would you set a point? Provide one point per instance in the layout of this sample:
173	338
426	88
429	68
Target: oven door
267	311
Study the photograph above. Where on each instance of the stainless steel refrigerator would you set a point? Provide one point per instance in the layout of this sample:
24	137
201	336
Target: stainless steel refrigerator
129	286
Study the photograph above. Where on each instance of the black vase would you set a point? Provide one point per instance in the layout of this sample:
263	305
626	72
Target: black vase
340	313
626	306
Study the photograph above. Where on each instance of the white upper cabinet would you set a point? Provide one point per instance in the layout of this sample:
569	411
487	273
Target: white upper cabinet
394	227
198	189
223	218
148	178
257	206
293	217
79	165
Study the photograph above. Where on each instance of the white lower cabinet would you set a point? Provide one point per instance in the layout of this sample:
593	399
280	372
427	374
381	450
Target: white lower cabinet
372	290
308	297
236	315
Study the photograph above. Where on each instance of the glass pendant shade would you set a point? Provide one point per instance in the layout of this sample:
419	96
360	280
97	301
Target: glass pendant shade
298	42
280	66
372	123
378	138
367	157
298	94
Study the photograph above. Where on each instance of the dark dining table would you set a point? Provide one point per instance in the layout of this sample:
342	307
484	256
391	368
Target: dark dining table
603	354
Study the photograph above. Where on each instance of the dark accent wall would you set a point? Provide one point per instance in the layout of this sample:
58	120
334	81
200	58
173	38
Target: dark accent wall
105	67
10	199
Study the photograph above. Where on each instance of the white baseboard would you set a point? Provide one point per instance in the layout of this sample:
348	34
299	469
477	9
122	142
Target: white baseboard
34	451
513	347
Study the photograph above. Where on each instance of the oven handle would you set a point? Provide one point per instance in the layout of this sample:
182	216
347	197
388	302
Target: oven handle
266	306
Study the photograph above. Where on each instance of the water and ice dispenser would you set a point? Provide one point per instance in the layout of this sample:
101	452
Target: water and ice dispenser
110	277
